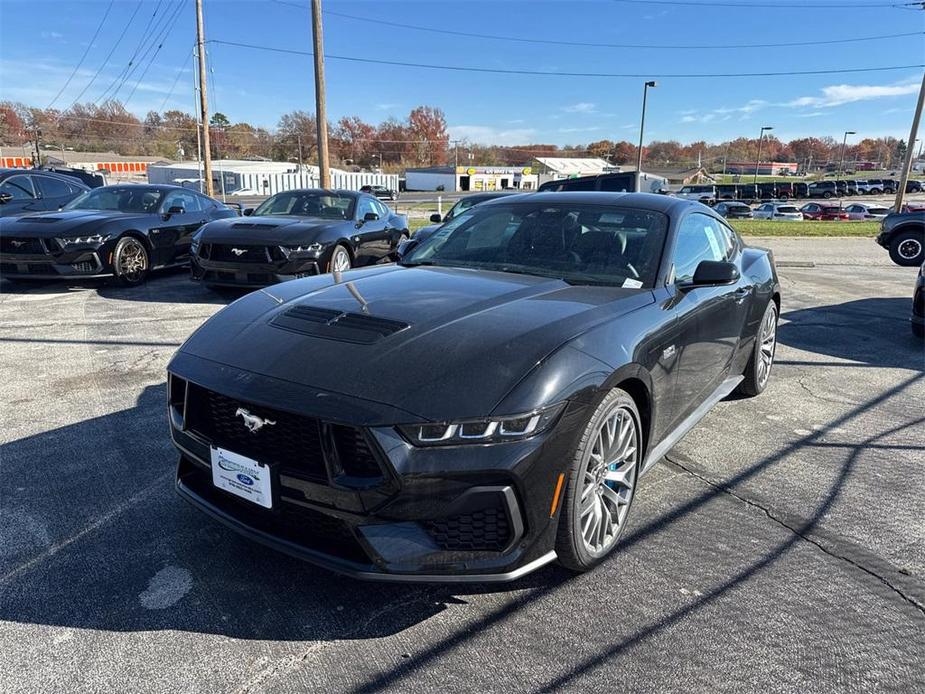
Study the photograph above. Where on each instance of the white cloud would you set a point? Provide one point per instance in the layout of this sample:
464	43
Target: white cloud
839	94
750	107
386	107
580	130
581	107
488	135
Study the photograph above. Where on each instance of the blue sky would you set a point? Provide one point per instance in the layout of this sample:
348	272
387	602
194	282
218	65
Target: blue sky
42	40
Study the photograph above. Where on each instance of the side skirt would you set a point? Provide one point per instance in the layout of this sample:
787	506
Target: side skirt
669	442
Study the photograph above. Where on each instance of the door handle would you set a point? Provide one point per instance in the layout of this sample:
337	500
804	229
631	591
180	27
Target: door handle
741	294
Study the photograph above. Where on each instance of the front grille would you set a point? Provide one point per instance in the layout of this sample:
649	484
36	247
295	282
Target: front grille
304	526
483	530
28	269
293	442
20	245
225	253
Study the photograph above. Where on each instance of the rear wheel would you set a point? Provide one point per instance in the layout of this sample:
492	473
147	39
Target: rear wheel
826	195
907	248
758	370
601	483
130	261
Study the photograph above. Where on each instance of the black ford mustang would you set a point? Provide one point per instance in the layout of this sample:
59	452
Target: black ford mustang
297	233
120	230
561	342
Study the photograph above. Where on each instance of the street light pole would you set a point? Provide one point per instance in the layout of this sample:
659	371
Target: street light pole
841	165
758	160
642	128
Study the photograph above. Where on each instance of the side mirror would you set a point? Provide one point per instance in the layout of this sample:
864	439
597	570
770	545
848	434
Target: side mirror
714	273
436	218
405	247
176	209
248	211
5	197
370	217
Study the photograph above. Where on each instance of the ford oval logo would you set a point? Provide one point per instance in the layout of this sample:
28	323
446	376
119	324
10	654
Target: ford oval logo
244	479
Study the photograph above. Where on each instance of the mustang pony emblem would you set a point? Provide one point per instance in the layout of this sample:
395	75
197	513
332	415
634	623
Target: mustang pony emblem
239	251
17	244
252	421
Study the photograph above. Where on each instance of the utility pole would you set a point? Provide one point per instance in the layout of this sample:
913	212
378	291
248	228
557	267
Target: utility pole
299	139
642	127
203	101
841	165
321	113
910	149
758	160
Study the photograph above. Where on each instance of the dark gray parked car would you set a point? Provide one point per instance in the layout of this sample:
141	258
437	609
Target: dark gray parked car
30	190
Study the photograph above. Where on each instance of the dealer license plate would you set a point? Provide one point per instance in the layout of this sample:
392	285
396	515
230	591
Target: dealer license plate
242	476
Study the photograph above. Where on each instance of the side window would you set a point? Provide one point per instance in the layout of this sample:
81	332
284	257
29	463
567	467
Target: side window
51	187
20	187
381	210
365	206
180	198
698	239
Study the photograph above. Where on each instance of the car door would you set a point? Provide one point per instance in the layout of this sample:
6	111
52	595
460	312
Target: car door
711	318
172	235
54	192
20	195
370	236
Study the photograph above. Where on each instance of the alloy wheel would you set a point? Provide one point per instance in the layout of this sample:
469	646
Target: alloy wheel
341	260
132	261
768	346
910	249
609	481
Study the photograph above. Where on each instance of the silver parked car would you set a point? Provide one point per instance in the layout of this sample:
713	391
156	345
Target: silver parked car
861	211
778	212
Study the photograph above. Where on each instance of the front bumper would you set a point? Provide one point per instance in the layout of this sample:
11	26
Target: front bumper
46	262
438	514
248	274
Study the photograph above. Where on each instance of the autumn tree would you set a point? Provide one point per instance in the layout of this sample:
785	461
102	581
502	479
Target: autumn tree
427	126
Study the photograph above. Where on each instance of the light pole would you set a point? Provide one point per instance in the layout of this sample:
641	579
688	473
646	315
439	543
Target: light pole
642	128
841	164
758	160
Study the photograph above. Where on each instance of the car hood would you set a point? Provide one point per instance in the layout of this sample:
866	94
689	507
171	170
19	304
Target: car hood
454	341
56	224
271	230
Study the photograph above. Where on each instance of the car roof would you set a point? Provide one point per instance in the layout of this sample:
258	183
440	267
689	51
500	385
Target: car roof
643	201
329	191
41	172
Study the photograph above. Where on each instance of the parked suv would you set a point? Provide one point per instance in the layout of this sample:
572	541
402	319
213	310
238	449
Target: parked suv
823	189
700	193
31	190
777	212
903	234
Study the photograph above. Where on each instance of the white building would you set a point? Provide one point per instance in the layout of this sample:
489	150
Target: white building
553	168
246	177
474	178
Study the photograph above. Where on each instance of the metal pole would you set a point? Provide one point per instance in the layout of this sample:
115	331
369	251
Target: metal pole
321	115
642	128
841	165
910	149
299	139
203	101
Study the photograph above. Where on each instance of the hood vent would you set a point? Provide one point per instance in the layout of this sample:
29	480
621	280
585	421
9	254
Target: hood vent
337	325
253	225
39	220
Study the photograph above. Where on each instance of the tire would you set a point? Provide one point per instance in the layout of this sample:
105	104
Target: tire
340	259
827	195
784	198
875	191
907	247
131	261
758	370
602	477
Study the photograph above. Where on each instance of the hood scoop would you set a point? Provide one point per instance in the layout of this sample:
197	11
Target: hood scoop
328	324
39	220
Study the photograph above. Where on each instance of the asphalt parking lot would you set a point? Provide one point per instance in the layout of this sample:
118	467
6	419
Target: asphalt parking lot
780	547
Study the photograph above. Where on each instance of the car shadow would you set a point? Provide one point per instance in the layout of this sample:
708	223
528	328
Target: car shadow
873	331
96	538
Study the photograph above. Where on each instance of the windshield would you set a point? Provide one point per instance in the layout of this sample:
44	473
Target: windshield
787	208
300	203
578	243
128	199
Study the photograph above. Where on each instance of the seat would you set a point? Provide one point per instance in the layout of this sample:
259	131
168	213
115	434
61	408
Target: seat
601	251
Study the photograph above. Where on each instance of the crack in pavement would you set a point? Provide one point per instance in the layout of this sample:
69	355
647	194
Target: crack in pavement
916	602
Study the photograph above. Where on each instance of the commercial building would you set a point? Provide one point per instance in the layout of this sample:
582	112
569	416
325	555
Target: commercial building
554	168
765	168
465	178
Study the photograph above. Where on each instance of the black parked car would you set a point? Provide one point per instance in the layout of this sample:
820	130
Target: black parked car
456	210
733	210
561	344
380	192
913	186
120	230
826	189
903	234
918	304
297	233
32	190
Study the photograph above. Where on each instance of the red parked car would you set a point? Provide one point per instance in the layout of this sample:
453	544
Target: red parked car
828	213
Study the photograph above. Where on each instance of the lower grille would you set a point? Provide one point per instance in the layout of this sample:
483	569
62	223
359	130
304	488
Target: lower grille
28	269
484	530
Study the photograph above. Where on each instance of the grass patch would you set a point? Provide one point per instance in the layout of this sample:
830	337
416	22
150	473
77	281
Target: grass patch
764	227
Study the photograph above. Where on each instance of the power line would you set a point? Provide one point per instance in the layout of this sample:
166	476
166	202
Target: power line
166	34
589	44
542	73
175	80
837	5
80	62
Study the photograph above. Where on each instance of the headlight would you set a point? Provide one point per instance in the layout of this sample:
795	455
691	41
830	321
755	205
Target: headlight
488	430
194	246
81	240
306	248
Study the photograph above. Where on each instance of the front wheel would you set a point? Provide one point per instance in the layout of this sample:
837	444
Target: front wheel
758	370
827	195
907	248
601	483
130	261
340	259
